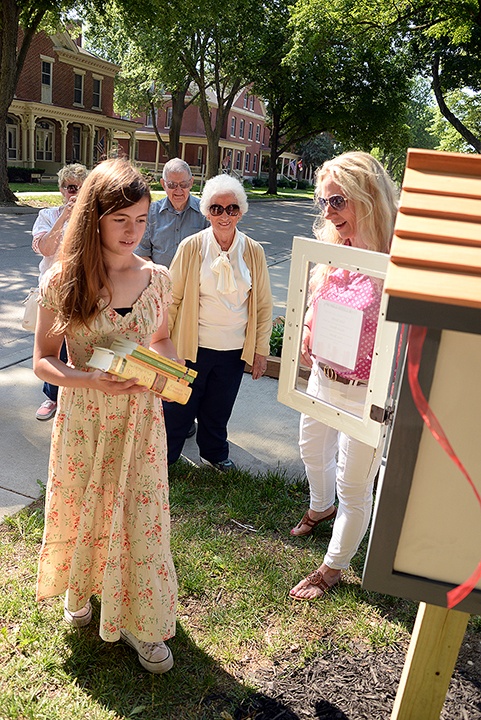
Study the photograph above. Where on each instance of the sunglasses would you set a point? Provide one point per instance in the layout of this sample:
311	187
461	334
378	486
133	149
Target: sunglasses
337	202
72	188
185	184
217	210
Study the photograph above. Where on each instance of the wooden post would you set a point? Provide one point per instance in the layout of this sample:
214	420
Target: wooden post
433	651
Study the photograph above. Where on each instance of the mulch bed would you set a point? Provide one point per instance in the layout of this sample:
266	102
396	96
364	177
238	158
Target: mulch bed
358	685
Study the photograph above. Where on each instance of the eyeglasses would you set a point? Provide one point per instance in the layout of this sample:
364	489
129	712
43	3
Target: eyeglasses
217	210
337	202
72	188
185	184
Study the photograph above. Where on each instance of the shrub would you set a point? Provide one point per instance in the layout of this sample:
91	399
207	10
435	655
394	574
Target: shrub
277	337
259	182
22	174
303	184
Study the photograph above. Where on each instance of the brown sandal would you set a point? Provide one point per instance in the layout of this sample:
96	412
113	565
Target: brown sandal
316	578
307	520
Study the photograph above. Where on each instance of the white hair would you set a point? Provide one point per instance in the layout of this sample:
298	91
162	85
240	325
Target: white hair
176	165
220	184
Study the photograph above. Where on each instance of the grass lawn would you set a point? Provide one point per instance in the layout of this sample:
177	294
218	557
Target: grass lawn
236	563
47	194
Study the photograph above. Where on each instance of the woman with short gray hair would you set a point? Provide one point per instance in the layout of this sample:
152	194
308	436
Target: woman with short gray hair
220	319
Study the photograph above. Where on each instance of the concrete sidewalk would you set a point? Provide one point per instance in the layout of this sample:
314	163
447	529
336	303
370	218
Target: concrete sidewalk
262	433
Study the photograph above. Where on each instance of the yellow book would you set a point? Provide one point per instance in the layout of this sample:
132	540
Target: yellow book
126	368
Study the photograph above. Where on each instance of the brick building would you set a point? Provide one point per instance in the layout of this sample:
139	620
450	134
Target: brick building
63	107
244	141
63	112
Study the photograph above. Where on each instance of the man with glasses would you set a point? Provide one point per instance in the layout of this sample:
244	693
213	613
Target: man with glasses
47	234
173	218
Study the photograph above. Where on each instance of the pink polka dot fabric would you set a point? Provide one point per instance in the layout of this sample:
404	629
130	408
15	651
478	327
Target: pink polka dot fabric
361	292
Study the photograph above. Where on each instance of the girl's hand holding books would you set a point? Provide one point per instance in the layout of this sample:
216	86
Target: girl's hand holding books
114	385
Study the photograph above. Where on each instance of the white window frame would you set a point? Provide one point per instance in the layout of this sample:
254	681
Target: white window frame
97	79
76	146
250	132
252	102
242	125
246	101
254	163
78	74
168	118
12	138
305	253
233	126
247	162
238	160
44	139
46	88
258	133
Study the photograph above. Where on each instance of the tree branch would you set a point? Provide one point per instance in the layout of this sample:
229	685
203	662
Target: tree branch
446	112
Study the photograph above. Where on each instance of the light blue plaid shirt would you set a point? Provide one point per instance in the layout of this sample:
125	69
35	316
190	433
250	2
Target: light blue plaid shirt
166	227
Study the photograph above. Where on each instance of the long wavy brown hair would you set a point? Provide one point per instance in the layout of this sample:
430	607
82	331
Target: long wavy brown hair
82	275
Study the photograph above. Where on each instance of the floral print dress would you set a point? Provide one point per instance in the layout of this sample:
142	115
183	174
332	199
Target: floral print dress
107	524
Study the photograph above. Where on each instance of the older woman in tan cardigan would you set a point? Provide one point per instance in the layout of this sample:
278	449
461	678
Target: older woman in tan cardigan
220	318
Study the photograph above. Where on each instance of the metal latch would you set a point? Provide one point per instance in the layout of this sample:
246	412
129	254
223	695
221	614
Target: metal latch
382	415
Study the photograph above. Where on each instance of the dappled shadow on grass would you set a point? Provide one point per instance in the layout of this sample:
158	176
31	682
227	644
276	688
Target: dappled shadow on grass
196	688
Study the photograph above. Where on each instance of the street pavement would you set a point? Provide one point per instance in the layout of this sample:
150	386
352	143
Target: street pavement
262	432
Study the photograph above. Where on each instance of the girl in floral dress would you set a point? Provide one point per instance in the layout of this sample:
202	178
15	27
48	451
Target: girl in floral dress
107	525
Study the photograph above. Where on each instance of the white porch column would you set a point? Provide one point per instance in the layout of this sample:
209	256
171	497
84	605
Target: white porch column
24	153
63	144
90	163
31	140
132	146
84	136
110	139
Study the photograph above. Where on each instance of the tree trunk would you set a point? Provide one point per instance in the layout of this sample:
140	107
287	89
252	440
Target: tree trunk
178	108
11	63
273	157
213	134
450	117
9	23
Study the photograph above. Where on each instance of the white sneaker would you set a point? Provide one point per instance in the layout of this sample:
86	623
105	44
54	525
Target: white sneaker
79	618
154	657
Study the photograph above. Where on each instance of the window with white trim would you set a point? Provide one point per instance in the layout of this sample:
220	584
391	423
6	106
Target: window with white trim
76	143
97	93
241	128
250	132
232	126
47	67
12	138
246	100
44	140
258	133
78	89
248	162
238	160
254	163
252	102
168	117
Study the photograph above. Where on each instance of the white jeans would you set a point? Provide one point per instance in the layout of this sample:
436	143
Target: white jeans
336	463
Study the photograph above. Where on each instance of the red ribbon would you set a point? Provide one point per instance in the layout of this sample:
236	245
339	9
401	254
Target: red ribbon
416	339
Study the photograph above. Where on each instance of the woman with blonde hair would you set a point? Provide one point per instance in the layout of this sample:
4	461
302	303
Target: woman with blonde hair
358	204
107	525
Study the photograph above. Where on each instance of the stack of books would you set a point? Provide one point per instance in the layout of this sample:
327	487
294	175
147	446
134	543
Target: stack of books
163	376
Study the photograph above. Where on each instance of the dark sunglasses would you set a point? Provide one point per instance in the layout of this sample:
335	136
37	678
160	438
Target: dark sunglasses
337	202
217	210
72	188
185	184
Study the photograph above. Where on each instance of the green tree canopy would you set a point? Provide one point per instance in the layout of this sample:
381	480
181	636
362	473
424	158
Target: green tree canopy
19	21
